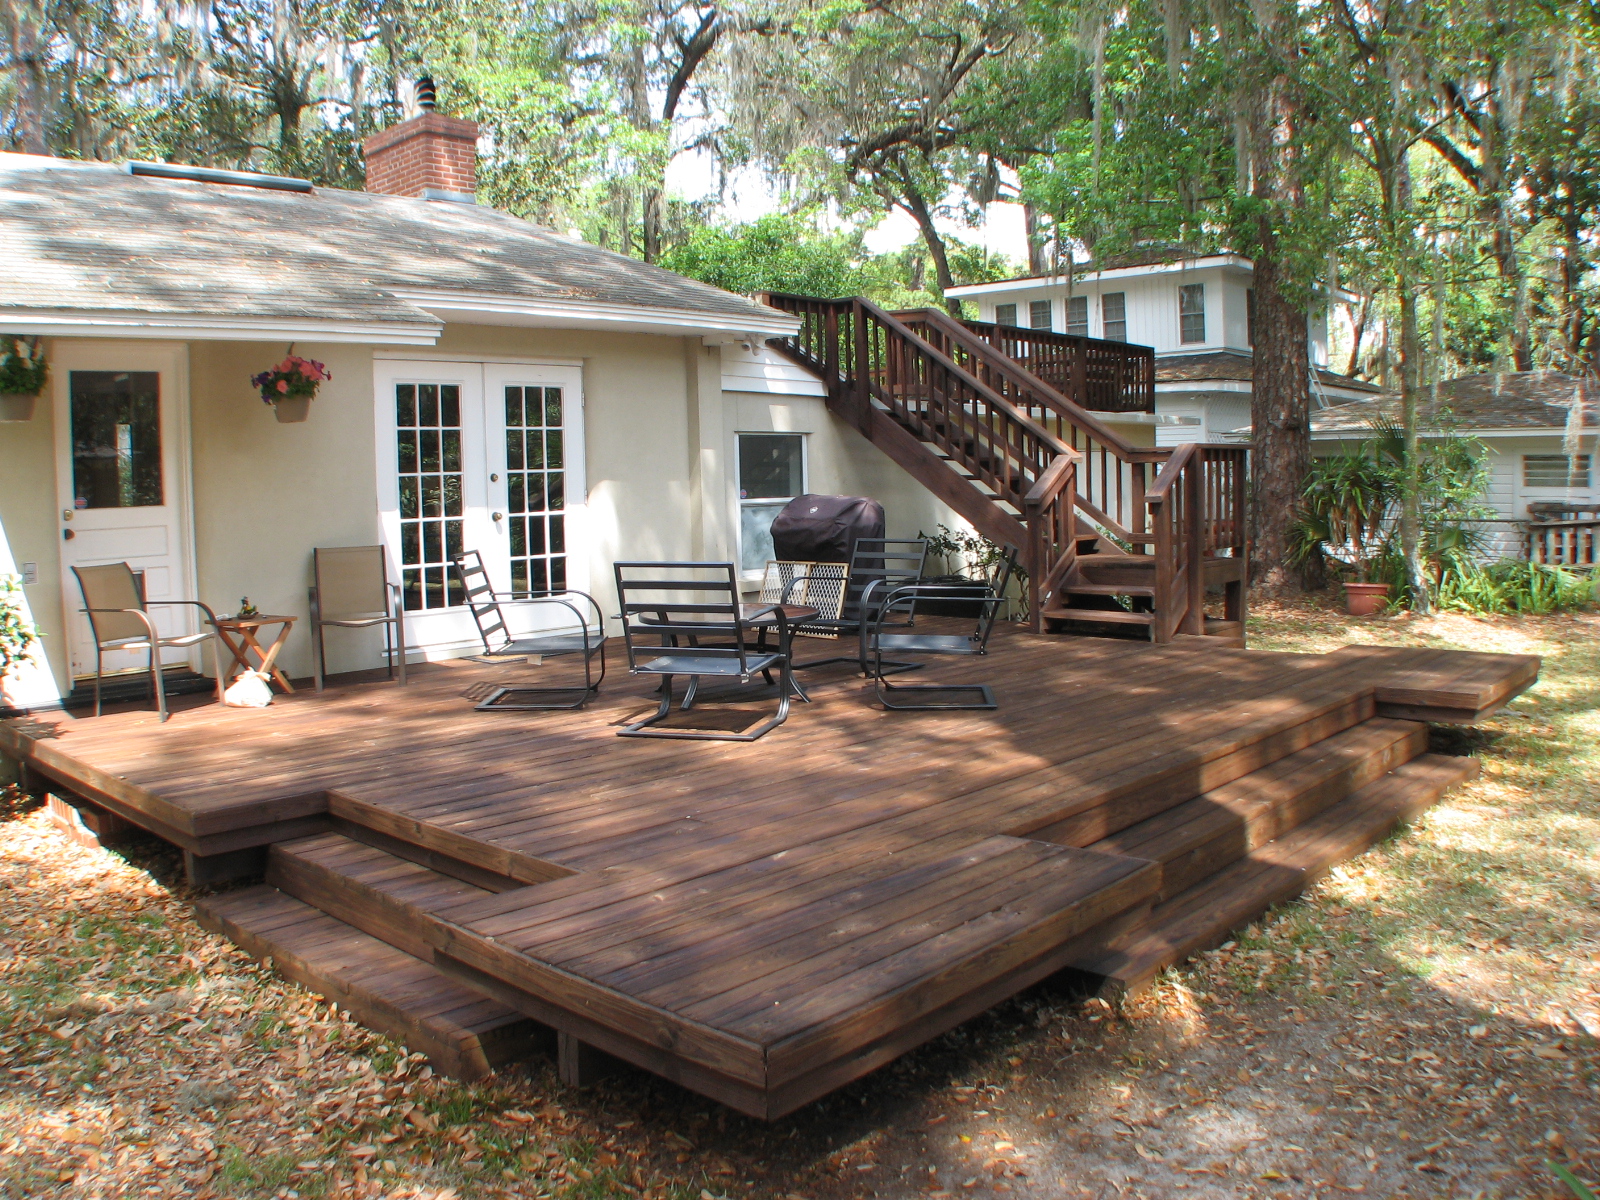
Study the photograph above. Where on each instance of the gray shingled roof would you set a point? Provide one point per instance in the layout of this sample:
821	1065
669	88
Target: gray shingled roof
1232	365
1515	400
90	238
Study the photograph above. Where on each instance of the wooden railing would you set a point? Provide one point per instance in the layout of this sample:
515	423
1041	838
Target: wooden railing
1196	508
891	384
1564	543
1099	375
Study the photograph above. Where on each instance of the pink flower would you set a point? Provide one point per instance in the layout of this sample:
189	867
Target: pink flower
283	385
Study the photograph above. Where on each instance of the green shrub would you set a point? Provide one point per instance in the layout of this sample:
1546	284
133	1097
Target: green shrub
1513	586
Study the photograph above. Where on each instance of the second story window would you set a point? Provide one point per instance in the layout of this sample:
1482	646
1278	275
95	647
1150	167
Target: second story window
1039	314
1078	315
1005	314
1192	313
1114	316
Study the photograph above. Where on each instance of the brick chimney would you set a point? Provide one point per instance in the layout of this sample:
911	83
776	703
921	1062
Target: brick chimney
430	155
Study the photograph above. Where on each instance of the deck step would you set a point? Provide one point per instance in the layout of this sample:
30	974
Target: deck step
1098	615
463	1033
1107	589
1204	835
1203	915
379	893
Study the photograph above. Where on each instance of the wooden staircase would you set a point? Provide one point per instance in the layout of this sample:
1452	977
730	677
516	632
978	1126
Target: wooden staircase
1110	533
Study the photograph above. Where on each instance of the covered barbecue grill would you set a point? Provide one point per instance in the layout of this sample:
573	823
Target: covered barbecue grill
824	528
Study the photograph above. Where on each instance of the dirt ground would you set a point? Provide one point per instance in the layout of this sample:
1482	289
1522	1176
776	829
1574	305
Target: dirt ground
1424	1023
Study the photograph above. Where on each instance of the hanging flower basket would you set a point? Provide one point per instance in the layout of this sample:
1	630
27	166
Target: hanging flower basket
291	386
23	371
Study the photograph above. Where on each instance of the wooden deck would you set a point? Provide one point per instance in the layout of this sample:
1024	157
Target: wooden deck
763	922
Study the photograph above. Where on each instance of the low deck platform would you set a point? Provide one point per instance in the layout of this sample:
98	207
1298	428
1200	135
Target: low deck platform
763	922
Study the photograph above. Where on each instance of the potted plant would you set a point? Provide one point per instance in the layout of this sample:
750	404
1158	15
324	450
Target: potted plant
18	638
291	386
22	375
1345	515
975	558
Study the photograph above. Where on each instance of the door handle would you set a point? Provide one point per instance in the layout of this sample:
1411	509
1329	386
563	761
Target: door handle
497	516
68	534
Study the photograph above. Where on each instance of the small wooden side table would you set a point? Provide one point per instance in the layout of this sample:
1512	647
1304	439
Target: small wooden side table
245	629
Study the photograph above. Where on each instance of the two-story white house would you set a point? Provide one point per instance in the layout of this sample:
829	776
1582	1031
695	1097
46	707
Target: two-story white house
1196	311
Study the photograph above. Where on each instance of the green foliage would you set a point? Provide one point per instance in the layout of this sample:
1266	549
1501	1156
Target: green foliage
18	637
1579	1189
776	253
23	368
1513	586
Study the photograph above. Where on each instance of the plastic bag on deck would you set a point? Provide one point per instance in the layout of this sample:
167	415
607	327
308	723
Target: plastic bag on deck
250	690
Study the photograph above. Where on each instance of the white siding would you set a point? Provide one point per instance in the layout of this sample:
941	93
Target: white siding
766	371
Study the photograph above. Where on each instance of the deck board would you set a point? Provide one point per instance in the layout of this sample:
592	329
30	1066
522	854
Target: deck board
758	919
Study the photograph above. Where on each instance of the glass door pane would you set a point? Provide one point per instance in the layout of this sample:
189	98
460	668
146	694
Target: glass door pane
428	452
536	487
116	439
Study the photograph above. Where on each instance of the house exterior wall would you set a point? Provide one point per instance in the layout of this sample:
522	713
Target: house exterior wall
30	530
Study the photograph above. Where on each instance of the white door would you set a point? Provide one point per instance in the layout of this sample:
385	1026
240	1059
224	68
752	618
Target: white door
484	457
122	483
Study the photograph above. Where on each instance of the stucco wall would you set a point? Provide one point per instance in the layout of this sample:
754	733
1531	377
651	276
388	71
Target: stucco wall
29	528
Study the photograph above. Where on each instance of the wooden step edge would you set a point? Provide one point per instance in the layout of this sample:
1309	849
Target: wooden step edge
1200	837
465	1034
366	906
1106	589
1098	615
1203	916
498	860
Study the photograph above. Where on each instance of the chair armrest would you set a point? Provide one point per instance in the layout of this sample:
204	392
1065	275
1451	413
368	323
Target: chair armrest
211	615
138	612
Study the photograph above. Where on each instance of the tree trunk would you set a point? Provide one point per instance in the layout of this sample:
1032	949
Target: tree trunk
1280	415
1037	264
911	200
30	82
1411	491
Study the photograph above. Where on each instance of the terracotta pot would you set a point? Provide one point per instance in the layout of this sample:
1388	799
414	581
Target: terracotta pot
1365	599
17	406
292	408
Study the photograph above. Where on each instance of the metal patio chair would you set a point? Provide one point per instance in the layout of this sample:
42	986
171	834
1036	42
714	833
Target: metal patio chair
119	618
877	566
684	618
488	613
353	591
904	598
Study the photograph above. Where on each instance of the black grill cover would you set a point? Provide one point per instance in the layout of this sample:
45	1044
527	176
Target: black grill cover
824	528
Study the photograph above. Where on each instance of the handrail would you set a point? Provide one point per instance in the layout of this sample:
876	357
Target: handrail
1049	483
1006	365
1165	481
1126	370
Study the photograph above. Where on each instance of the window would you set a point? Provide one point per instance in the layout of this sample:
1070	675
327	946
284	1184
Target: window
1192	313
428	441
771	473
116	439
536	489
1250	316
1078	315
1039	314
1114	316
1555	471
1005	314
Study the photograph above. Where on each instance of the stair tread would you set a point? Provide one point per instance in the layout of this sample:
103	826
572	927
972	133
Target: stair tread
1202	835
1107	589
1203	914
463	1032
1097	614
368	866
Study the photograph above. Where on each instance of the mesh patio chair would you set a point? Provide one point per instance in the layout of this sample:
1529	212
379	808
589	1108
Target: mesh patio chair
353	591
877	566
684	618
903	599
119	618
488	612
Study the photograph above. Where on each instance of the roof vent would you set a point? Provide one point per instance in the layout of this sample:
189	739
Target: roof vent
275	183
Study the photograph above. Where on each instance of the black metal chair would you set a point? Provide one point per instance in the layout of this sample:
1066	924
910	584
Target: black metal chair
488	613
877	567
684	618
904	598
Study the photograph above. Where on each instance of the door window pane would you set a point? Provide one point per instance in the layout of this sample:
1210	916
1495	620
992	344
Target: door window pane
1192	313
1039	314
1114	316
1078	315
536	488
116	439
428	462
771	473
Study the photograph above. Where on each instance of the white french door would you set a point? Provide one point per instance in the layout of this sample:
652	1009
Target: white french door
122	484
485	457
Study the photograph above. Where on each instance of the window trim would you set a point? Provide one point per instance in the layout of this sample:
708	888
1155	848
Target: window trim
1186	290
1077	328
1105	323
1000	320
741	503
1049	314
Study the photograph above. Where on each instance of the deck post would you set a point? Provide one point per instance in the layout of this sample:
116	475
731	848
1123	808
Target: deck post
581	1065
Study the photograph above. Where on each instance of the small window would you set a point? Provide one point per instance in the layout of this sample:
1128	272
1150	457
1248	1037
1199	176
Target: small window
116	439
1555	471
1114	316
1005	314
1192	313
771	473
1078	315
1250	316
1039	314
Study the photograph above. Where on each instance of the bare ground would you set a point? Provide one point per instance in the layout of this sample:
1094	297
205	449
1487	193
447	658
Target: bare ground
1423	1023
